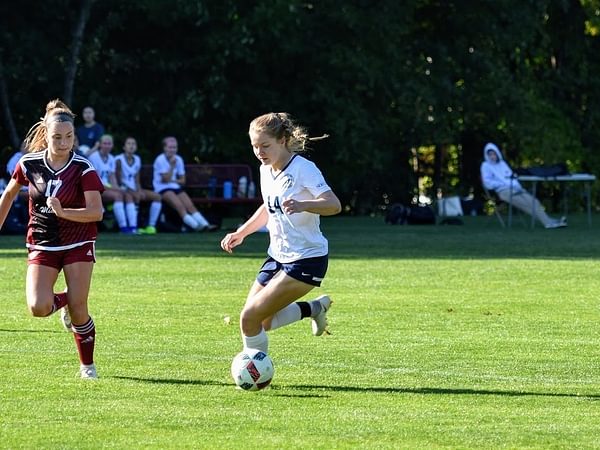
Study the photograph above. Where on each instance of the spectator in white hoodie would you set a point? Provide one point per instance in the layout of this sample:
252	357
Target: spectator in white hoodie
497	176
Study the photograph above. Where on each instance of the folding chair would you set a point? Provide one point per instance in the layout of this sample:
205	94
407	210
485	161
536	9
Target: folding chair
500	208
494	203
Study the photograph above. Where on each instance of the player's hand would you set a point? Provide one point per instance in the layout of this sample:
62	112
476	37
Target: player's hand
230	241
54	203
291	206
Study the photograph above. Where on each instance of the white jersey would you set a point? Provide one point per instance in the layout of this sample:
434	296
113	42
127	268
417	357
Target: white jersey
293	236
104	167
129	171
161	165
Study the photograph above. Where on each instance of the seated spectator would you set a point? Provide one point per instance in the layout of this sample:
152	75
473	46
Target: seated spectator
497	176
21	202
89	133
128	166
104	163
169	180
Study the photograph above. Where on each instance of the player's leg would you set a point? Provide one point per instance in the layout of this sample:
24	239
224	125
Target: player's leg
131	211
312	272
39	286
193	211
116	197
174	201
263	303
78	276
155	208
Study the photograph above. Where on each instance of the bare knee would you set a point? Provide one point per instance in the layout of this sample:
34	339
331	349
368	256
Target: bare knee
250	321
39	306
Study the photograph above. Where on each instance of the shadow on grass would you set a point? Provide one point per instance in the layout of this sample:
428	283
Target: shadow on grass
279	390
5	330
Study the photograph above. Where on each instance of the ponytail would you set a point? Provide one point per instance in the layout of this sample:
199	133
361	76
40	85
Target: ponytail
37	136
282	126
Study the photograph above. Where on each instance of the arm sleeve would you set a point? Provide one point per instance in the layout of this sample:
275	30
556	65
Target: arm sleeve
91	182
315	182
19	176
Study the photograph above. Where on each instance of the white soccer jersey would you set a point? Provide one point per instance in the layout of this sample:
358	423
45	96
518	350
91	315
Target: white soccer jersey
293	236
104	167
129	171
161	165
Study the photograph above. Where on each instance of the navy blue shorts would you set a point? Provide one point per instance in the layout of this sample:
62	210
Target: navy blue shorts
176	191
309	270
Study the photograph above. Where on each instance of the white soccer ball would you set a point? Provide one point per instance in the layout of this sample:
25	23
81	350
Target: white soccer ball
252	370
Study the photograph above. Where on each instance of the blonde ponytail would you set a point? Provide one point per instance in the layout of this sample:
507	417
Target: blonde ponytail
37	136
282	126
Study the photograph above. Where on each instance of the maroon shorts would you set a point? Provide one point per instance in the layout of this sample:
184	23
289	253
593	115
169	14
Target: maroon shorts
59	259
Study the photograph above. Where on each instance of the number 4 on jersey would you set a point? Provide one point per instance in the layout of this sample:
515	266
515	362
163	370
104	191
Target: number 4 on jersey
276	206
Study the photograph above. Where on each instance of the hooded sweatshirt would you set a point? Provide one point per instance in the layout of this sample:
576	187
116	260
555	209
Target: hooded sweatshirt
496	176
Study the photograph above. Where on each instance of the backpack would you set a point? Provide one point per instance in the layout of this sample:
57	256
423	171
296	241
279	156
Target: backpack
398	214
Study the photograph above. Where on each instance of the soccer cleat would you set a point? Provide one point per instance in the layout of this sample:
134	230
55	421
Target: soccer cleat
319	322
557	224
65	319
148	230
88	372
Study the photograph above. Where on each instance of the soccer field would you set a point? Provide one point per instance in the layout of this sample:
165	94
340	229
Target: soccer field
441	337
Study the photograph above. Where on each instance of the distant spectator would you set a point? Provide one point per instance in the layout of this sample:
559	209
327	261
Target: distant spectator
128	166
90	132
104	163
497	176
169	180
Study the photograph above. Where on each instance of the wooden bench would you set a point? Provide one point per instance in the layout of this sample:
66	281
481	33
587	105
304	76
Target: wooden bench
204	183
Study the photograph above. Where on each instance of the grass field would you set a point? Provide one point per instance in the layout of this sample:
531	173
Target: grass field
442	337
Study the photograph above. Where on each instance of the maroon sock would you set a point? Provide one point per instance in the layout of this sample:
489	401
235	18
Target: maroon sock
85	338
60	301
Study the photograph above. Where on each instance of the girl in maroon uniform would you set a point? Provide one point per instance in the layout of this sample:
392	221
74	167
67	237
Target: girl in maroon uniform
64	206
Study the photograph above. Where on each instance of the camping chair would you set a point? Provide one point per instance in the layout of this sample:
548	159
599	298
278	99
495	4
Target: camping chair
501	208
494	203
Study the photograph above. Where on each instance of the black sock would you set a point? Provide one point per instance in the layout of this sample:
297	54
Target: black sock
305	310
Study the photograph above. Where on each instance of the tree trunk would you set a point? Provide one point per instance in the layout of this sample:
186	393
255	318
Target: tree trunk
15	140
71	69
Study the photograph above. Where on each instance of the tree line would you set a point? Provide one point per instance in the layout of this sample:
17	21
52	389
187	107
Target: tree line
408	91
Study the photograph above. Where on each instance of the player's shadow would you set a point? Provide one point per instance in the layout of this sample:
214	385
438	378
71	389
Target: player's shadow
284	390
441	391
6	330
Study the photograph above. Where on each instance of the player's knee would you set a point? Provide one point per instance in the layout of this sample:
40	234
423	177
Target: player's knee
39	307
250	318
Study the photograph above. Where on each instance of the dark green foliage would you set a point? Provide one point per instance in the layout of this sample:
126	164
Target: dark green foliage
381	77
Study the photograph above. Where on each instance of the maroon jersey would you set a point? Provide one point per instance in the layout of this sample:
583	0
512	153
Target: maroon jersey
45	231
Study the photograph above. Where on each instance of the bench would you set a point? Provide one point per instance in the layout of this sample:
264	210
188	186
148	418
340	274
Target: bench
204	183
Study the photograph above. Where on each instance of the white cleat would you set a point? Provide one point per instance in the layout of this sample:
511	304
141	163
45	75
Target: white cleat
65	318
88	372
319	322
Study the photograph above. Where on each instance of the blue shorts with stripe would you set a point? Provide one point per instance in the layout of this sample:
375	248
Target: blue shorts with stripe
308	270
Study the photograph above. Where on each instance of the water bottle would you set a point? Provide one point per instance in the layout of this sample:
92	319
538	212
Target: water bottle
212	187
2	185
251	190
227	189
242	186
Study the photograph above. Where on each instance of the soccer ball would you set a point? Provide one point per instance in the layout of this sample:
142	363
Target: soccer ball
252	370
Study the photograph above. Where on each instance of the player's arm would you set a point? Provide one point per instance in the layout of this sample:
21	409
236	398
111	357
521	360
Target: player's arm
92	212
6	201
258	220
118	173
326	204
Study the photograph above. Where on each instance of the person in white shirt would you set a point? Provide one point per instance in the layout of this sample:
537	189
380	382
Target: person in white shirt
104	163
128	166
168	181
295	194
497	176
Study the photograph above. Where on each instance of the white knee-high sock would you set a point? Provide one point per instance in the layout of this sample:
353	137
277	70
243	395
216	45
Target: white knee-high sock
258	342
290	314
131	210
119	211
190	222
198	217
155	208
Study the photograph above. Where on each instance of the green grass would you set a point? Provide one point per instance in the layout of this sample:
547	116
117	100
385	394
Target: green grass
442	337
